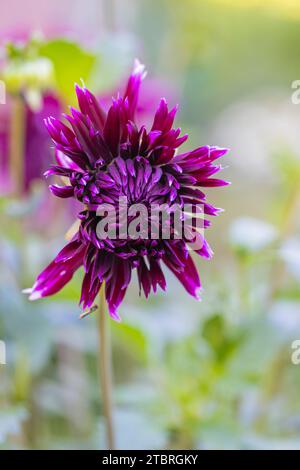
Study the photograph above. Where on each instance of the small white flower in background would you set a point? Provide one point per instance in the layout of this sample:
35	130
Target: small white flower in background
290	253
251	235
2	353
284	314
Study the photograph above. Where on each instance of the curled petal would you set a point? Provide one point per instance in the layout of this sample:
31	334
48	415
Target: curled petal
65	161
62	191
58	273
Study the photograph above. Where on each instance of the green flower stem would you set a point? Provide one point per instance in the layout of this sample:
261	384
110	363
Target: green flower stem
105	364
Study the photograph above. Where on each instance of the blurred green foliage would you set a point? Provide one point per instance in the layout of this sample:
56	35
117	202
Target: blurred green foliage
43	64
71	64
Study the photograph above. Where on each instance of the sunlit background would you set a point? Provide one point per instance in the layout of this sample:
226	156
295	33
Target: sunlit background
211	375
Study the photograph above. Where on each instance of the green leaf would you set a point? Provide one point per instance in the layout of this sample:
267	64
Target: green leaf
71	63
132	338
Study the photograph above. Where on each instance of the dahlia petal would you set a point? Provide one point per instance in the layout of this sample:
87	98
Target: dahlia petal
90	107
194	193
205	251
133	137
180	141
62	191
144	277
163	120
55	276
116	286
177	256
65	161
130	167
121	166
101	266
217	152
77	156
211	210
89	291
160	116
88	257
212	182
198	154
157	276
133	86
154	138
112	309
69	251
83	136
188	277
112	129
60	133
58	170
206	172
102	149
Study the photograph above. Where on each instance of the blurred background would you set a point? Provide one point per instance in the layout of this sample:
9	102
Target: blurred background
211	375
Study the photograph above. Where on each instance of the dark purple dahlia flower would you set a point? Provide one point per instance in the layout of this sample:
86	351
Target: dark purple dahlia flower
105	156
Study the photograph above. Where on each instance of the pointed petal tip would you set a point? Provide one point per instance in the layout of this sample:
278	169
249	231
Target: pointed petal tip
27	290
114	315
81	87
219	149
219	210
139	69
198	293
35	295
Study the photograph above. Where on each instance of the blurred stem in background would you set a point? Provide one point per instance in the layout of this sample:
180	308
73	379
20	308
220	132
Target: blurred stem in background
105	364
289	170
110	14
17	141
244	262
290	215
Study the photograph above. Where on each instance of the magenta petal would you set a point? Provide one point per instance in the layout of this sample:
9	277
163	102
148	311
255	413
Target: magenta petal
133	87
188	277
89	290
90	107
157	275
65	161
112	129
116	286
217	152
56	275
212	182
62	191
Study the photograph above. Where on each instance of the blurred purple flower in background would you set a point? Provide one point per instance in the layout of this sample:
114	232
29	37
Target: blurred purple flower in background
105	156
38	153
4	150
